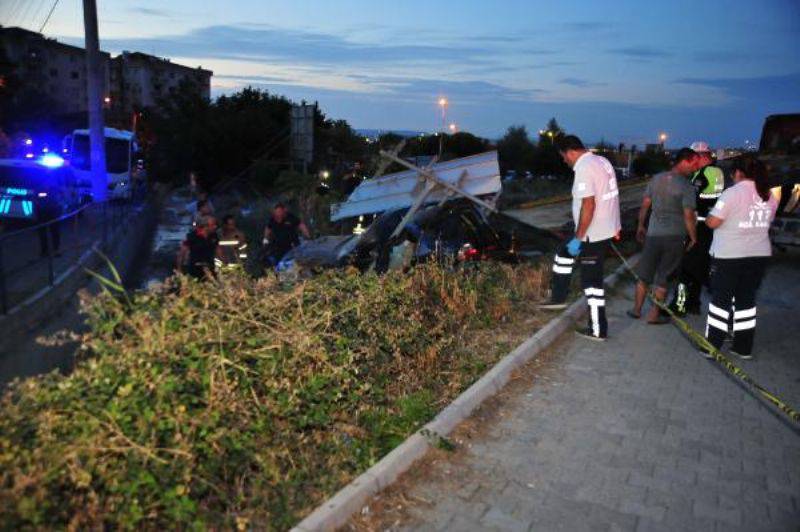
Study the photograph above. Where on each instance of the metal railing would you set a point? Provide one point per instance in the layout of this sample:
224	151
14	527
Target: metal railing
33	258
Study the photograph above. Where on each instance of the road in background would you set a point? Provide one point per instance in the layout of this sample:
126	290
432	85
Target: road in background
555	215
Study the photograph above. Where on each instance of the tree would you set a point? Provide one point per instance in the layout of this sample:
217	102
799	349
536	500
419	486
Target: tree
464	144
515	150
218	140
650	163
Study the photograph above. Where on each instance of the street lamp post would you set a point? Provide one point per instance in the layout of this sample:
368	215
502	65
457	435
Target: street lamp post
443	104
662	138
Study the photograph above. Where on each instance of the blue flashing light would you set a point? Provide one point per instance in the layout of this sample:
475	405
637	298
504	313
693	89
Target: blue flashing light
29	156
45	149
51	160
28	142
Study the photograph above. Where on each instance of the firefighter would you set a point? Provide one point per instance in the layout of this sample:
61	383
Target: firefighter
740	250
595	210
232	249
709	182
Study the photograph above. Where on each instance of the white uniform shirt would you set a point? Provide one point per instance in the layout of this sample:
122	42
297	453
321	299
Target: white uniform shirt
746	218
594	176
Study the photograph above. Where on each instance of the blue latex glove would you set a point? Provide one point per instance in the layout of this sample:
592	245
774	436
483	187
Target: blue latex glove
574	247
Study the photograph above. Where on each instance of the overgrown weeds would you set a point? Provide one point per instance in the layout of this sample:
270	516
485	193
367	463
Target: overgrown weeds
241	403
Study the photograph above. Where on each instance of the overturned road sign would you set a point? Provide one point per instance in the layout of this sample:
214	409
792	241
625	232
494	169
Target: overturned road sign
471	177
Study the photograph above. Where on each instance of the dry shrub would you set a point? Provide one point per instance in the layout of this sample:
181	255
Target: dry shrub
241	402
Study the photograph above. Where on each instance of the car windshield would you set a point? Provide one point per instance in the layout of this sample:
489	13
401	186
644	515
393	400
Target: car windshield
117	156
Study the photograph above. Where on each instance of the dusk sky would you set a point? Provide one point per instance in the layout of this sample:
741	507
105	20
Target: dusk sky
619	70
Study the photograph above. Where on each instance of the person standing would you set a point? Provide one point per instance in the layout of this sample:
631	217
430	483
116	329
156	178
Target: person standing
670	200
282	233
709	182
197	253
232	243
595	211
740	250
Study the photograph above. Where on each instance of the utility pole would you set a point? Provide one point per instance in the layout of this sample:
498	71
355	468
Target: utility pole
94	91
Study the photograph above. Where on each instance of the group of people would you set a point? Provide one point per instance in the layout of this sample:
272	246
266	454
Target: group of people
693	231
207	248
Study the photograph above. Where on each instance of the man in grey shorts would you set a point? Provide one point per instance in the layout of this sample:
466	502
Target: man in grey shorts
671	198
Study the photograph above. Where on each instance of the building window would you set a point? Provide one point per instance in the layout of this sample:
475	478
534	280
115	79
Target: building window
74	74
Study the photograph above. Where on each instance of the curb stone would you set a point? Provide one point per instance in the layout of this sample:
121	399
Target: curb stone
337	510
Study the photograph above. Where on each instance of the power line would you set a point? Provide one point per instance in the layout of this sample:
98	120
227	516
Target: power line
24	14
49	14
14	10
35	14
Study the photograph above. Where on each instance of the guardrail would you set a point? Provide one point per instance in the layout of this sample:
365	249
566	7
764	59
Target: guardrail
33	258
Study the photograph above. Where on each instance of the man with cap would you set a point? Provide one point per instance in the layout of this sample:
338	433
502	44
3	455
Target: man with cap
709	182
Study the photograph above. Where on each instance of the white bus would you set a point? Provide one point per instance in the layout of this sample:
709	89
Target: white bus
120	156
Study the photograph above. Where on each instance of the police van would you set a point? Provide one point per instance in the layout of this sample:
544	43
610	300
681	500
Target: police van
121	150
36	190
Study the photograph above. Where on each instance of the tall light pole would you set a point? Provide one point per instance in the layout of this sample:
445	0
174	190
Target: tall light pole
94	91
662	138
443	104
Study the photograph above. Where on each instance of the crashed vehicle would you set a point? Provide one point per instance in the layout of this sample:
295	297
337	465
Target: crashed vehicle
457	232
444	211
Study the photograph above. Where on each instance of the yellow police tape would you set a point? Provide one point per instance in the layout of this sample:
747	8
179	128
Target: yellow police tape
715	353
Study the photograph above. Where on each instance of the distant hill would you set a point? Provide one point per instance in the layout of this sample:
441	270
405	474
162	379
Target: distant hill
375	133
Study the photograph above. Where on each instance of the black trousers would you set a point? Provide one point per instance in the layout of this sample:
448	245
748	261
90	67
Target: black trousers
590	261
693	272
734	283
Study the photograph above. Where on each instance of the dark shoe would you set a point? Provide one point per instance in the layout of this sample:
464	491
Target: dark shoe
661	320
553	306
632	314
585	333
743	356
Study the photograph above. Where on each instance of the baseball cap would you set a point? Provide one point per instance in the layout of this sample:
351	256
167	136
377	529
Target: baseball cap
700	147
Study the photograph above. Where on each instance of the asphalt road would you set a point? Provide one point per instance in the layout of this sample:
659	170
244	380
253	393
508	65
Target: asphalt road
554	216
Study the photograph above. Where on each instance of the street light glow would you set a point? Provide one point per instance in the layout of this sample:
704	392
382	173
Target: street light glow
662	137
453	128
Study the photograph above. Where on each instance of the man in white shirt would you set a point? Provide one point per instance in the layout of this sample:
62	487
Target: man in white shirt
595	210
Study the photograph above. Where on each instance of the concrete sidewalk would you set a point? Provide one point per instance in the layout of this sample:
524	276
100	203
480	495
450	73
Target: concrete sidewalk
638	433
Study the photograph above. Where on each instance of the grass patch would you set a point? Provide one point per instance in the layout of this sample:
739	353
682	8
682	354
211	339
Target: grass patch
242	403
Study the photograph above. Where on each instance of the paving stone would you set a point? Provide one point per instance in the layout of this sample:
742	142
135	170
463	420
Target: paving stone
639	433
732	516
499	520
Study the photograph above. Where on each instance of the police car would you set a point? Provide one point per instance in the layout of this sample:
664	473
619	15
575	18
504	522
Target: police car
36	190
